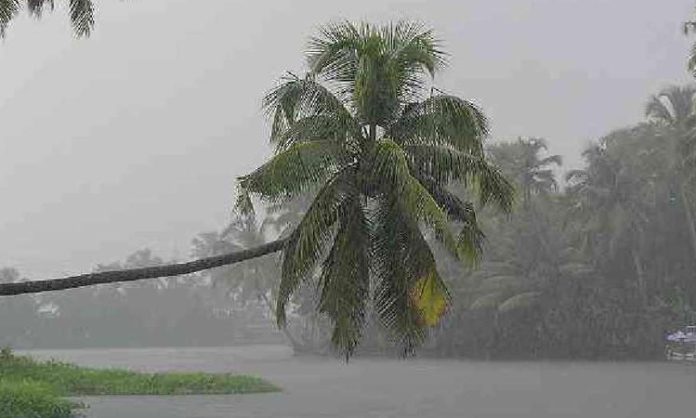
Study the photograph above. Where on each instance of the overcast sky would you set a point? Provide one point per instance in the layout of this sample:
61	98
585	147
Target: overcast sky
133	138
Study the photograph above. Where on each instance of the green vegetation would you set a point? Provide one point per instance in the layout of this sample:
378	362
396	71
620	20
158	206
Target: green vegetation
601	268
26	399
70	380
31	387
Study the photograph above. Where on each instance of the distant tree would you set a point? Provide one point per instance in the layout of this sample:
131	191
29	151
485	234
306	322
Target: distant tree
673	110
610	205
252	279
689	28
17	315
9	275
523	162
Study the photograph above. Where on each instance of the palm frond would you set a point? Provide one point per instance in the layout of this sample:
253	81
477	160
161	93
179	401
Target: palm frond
307	243
345	277
36	7
691	64
430	297
81	13
442	120
522	301
576	175
471	238
8	10
672	105
413	52
313	128
412	45
403	265
296	99
391	169
294	170
446	164
656	110
332	54
544	180
82	16
488	301
552	159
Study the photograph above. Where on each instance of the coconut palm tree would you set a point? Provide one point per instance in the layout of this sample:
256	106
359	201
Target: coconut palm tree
363	125
81	13
523	161
673	110
689	27
609	200
381	147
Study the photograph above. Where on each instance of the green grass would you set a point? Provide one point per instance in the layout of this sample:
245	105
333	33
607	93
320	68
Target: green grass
33	400
26	383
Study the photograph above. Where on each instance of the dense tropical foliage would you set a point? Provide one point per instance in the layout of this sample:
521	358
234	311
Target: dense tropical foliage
601	268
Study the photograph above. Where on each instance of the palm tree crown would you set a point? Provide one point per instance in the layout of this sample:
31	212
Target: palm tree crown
523	160
674	109
381	147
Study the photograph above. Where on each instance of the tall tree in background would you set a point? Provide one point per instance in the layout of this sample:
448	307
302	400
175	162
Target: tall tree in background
610	203
81	13
256	280
524	162
253	279
673	110
363	125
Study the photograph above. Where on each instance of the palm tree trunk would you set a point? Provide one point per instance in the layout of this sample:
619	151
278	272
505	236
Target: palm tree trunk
689	217
640	275
117	276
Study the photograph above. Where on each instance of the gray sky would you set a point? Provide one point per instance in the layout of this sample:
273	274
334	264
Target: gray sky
134	137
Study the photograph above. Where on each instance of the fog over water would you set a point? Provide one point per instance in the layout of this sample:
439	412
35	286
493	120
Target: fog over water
133	138
325	387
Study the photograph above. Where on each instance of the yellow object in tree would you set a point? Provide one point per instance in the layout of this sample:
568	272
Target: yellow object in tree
430	298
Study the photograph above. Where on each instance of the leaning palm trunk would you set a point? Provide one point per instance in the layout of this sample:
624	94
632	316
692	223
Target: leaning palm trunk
117	276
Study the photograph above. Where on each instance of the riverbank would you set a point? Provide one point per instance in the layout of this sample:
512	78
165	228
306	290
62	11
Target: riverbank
36	388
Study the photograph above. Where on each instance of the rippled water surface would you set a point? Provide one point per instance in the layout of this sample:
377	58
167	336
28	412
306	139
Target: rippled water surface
317	387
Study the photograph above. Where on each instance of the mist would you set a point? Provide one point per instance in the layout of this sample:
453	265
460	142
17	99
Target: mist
151	119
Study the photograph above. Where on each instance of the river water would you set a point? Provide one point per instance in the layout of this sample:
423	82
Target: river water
321	387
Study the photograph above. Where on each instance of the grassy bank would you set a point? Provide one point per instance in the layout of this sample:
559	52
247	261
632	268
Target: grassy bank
25	399
29	388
